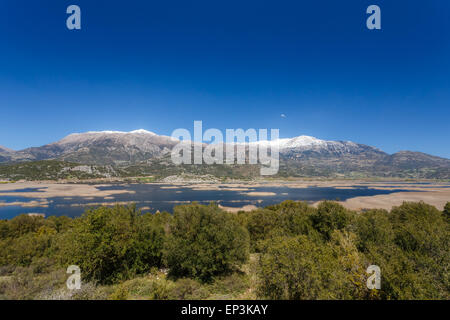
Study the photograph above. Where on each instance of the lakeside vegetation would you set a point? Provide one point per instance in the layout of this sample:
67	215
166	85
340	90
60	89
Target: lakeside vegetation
53	170
286	251
160	169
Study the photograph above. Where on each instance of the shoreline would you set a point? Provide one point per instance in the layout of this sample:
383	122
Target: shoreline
435	193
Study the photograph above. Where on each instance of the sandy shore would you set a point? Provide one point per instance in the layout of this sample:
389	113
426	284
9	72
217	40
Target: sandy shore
259	194
50	190
435	197
246	208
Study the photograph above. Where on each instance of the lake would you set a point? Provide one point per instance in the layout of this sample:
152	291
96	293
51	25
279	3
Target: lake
153	197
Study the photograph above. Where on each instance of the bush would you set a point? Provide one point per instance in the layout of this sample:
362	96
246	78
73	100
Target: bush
414	264
330	216
112	244
260	225
161	289
20	225
205	241
21	251
373	228
296	268
188	289
419	227
121	293
446	211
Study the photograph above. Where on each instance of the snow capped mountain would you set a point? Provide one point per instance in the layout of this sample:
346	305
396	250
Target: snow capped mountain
105	147
290	143
299	156
137	137
310	147
6	154
139	131
4	149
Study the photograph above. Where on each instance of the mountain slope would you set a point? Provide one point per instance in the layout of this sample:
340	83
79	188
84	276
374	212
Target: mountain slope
104	147
6	154
54	170
303	156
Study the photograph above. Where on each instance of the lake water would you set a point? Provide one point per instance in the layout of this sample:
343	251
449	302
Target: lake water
154	197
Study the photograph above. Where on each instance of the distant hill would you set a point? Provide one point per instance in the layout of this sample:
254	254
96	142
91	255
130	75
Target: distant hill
104	147
54	170
6	154
143	152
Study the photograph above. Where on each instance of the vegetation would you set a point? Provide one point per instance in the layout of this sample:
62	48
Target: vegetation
54	170
112	244
286	251
205	241
159	168
447	210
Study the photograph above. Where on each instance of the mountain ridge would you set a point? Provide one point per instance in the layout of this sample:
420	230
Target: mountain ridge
299	156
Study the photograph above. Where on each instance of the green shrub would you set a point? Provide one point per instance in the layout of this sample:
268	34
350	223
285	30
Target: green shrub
205	241
447	210
121	293
188	289
161	289
260	224
112	244
373	228
21	225
330	216
296	268
419	227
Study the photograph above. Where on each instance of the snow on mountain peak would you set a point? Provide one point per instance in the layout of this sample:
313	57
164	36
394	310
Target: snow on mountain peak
142	131
139	131
296	142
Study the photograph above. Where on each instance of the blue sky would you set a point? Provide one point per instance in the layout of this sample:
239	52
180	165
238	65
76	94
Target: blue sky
160	65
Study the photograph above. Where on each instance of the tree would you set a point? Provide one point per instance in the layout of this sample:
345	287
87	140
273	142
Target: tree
295	217
111	244
414	263
330	216
204	241
419	227
447	210
260	225
297	268
373	227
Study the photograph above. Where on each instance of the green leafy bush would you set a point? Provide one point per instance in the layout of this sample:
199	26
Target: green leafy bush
447	210
297	268
205	241
298	252
330	216
112	244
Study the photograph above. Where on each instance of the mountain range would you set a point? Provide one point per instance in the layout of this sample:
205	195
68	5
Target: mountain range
299	156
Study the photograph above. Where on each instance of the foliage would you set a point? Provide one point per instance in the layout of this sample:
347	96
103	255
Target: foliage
296	268
112	244
54	170
205	241
373	228
297	252
447	210
330	216
121	293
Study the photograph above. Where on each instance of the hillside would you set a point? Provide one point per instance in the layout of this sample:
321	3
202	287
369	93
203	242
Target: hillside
142	152
54	170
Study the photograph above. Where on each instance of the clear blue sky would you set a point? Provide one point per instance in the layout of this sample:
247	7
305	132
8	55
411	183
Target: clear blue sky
160	65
